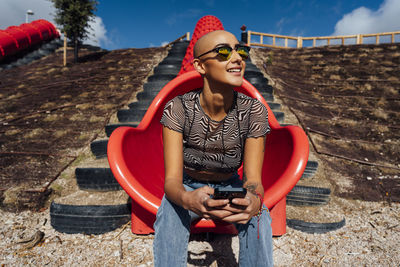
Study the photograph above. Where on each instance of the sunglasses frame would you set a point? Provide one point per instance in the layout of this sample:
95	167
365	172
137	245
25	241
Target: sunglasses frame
216	49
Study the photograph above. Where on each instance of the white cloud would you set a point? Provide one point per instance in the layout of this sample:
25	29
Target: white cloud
13	12
97	33
364	20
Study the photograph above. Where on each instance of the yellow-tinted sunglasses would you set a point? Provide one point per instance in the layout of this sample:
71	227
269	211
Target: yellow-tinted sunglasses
225	51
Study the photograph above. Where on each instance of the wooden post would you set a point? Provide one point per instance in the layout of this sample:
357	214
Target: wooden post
188	36
377	39
299	42
248	38
286	42
342	40
261	39
273	41
392	38
314	42
65	49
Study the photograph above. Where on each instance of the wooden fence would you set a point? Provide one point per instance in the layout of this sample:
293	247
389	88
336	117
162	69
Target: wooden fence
282	41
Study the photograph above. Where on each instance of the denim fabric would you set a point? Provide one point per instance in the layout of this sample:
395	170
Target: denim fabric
172	231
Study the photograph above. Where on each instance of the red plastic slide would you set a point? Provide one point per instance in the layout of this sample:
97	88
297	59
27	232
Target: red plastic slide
136	159
15	39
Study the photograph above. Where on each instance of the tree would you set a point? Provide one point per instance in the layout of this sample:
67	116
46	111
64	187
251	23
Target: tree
74	16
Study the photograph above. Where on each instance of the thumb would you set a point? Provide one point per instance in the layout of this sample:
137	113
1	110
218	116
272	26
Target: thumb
208	190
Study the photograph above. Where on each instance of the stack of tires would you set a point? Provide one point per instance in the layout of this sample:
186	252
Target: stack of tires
98	219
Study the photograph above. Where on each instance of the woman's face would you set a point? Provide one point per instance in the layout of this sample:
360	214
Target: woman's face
217	71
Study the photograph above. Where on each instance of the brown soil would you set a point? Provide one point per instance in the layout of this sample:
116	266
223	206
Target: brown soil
49	113
347	100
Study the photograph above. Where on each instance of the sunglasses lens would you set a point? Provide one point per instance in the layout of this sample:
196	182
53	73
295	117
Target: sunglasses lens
243	51
224	52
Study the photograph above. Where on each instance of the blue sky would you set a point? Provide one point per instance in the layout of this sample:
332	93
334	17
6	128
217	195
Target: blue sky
125	24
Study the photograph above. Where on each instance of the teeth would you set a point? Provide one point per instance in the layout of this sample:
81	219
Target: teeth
234	70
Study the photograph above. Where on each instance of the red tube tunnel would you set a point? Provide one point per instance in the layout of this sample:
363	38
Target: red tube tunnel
15	39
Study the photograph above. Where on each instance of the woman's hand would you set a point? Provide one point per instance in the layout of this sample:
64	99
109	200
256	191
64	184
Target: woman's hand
243	209
200	202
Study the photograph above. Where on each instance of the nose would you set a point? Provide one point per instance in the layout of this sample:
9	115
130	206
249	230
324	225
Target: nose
235	57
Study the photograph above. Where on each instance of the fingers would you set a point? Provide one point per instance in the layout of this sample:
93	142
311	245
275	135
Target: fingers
241	218
242	201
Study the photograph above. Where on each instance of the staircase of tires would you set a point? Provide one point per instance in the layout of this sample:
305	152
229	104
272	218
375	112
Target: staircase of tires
97	219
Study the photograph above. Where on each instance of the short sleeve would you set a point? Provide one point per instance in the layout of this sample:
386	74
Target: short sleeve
174	115
258	124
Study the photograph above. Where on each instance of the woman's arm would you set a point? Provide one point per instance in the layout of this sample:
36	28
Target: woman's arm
198	200
252	168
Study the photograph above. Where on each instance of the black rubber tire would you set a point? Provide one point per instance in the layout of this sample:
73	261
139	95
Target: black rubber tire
183	43
176	64
251	67
280	116
147	95
267	96
166	71
172	61
144	104
155	85
315	228
125	115
258	79
308	196
167	66
264	88
161	77
310	169
274	106
98	179
310	190
89	219
179	53
253	73
111	127
99	148
173	58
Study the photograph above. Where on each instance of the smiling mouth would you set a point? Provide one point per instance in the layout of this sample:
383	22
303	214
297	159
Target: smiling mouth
235	70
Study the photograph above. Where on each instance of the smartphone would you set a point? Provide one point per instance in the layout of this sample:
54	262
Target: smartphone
229	193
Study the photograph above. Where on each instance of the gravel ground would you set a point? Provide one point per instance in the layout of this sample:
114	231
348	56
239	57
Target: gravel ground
369	238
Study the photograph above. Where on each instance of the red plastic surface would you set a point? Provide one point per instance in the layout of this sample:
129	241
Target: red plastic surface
17	38
136	159
205	25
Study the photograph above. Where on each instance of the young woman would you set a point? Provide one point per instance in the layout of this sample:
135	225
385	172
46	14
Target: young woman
207	135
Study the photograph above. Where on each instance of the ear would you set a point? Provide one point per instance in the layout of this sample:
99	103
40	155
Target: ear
199	66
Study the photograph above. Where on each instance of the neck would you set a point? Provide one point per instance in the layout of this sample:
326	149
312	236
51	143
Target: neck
216	101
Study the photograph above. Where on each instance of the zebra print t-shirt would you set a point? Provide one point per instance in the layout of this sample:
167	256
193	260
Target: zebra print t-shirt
215	145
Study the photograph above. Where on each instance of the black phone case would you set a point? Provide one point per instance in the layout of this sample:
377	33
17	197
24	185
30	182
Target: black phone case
229	193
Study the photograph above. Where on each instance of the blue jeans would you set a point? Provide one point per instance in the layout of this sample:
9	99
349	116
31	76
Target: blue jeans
172	231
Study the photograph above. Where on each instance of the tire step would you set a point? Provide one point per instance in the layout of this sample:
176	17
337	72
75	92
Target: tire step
310	169
99	179
90	219
308	196
274	106
99	148
280	116
111	127
143	104
125	115
314	228
161	77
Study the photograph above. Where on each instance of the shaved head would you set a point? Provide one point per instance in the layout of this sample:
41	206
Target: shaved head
207	41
